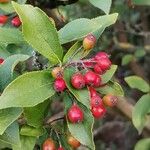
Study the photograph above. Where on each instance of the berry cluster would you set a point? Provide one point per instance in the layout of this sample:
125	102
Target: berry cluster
49	144
15	21
88	74
95	66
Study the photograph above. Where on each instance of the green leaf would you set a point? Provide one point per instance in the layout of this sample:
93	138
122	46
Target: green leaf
140	112
22	48
70	53
41	29
137	83
8	116
7	7
139	53
104	21
77	30
31	131
111	88
109	74
4	145
81	95
27	143
10	35
7	68
3	52
11	135
143	144
83	131
141	2
35	115
102	4
28	90
126	59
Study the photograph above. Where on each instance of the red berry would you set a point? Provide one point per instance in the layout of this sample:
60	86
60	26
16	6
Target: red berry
75	114
110	100
78	81
1	61
3	19
16	22
92	92
104	63
49	145
97	82
97	69
100	55
98	112
60	148
89	63
89	42
59	85
4	1
96	101
90	77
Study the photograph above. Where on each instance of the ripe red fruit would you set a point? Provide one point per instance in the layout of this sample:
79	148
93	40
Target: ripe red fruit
96	101
78	81
98	112
60	148
104	63
97	82
49	145
3	19
73	142
110	100
89	63
75	114
97	69
16	22
92	92
57	72
89	42
1	61
59	85
90	77
100	55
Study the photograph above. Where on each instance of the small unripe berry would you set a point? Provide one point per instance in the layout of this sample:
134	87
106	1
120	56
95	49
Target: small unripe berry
16	22
90	77
73	142
3	19
60	148
92	92
78	81
75	114
97	69
104	63
89	42
97	82
110	100
59	85
98	112
100	55
96	101
1	61
49	145
57	72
